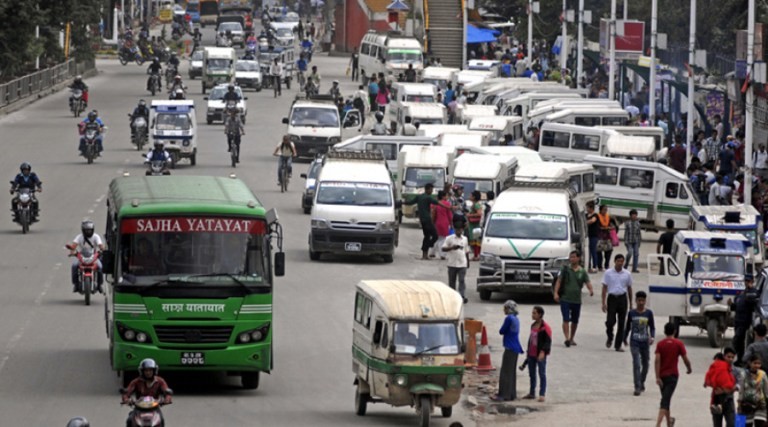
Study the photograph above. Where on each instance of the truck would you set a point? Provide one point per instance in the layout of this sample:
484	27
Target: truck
740	219
218	66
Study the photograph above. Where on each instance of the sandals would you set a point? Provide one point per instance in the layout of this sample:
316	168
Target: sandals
529	397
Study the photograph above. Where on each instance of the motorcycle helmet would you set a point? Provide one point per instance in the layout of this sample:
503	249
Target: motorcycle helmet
158	145
231	87
335	82
379	116
142	103
78	78
177	78
92	116
156	60
148	364
25	167
87	228
78	422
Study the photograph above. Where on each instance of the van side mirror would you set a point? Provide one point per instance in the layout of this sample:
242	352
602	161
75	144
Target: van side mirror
108	262
285	120
576	238
280	264
205	98
303	176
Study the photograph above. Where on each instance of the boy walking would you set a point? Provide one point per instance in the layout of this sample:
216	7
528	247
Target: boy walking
456	247
640	332
568	286
668	351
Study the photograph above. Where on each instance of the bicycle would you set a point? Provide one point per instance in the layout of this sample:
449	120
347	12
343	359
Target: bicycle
234	148
301	78
284	175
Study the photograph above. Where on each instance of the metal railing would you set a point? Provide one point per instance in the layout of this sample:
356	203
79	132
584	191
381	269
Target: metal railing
34	83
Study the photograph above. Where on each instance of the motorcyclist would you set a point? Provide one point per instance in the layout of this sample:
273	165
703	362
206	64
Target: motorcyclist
78	422
141	110
92	122
79	84
221	39
285	149
233	128
174	60
177	84
231	94
154	68
379	128
335	92
197	37
148	384
90	240
306	47
158	153
250	55
26	179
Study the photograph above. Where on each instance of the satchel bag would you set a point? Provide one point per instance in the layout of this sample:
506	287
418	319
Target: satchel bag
614	237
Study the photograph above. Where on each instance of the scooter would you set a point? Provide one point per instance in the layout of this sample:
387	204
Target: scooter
88	271
177	94
157	168
146	412
77	103
24	213
139	132
127	55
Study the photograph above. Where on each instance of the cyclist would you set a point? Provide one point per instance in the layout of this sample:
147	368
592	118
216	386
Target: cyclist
287	151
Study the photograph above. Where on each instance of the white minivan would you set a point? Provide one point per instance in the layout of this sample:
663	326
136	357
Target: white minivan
407	93
389	145
500	126
571	143
440	76
484	172
389	53
313	126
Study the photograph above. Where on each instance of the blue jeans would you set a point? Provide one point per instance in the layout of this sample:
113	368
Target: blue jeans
533	364
288	163
640	356
633	254
76	272
593	252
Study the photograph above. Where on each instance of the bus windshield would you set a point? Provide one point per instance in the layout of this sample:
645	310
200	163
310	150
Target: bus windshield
179	247
168	121
711	266
218	64
470	185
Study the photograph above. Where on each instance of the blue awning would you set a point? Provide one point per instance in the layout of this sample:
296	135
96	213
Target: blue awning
397	5
480	35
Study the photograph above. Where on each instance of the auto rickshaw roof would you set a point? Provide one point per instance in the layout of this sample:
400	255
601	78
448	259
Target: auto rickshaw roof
713	242
414	299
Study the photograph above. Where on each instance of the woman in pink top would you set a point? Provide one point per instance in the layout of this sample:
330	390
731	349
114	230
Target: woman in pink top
442	216
382	98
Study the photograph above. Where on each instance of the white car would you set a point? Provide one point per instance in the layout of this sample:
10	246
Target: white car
216	104
234	28
284	36
196	64
248	74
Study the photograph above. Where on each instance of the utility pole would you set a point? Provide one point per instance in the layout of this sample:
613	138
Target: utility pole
691	83
652	74
580	49
750	107
626	10
612	55
528	58
564	44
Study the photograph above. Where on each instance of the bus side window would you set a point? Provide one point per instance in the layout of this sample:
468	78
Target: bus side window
589	182
585	142
606	175
555	139
683	193
587	121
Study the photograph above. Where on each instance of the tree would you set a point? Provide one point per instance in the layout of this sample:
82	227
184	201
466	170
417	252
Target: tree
16	40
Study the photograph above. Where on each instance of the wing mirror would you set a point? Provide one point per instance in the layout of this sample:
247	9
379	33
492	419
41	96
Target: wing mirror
280	264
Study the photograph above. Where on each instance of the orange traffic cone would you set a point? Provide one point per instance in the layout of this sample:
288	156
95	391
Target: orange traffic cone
484	357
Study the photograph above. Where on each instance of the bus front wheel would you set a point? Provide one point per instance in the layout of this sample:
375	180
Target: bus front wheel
250	380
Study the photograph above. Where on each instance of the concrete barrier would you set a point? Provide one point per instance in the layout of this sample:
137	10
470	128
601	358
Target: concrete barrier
33	85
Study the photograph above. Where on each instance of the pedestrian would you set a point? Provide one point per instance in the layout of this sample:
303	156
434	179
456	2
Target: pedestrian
607	239
443	220
510	329
753	389
639	335
360	103
726	161
276	71
632	239
475	218
668	351
616	295
715	192
382	97
593	233
760	162
664	245
743	308
539	346
423	204
760	346
677	155
373	92
457	201
456	247
449	94
354	65
720	377
570	281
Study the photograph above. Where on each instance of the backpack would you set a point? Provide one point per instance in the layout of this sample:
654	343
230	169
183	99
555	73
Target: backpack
698	183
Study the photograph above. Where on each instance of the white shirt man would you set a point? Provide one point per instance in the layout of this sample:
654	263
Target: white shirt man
714	194
617	295
760	161
456	248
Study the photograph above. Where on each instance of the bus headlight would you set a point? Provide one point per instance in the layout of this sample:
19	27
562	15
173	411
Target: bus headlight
294	138
254	335
560	263
141	337
244	337
401	380
129	335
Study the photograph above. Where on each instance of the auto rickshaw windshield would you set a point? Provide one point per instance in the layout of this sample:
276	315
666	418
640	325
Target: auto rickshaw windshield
707	265
425	338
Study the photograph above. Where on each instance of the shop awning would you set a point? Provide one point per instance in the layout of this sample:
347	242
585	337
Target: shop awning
480	35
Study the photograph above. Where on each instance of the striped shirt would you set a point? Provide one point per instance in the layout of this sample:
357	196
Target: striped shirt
632	232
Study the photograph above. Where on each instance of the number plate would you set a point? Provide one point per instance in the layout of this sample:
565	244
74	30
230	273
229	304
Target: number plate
193	358
428	360
353	247
522	276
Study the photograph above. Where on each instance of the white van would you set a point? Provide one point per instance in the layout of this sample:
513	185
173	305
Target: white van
579	177
403	93
522	104
571	143
466	139
523	155
495	86
473	82
656	191
440	76
741	219
175	124
465	113
389	53
531	230
218	66
590	117
313	126
630	147
434	131
536	116
389	145
425	113
484	172
354	209
499	126
417	167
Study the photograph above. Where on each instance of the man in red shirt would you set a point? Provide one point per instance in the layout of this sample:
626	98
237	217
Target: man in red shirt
668	351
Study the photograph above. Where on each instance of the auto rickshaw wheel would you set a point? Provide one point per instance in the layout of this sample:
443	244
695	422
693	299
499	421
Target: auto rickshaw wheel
425	410
361	401
447	411
714	333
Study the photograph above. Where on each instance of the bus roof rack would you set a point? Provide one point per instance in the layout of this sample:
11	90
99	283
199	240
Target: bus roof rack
316	98
367	155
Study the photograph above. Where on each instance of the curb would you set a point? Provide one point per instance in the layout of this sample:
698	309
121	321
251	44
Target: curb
21	103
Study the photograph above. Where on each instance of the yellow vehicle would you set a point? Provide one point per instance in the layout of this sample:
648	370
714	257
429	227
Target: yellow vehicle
408	346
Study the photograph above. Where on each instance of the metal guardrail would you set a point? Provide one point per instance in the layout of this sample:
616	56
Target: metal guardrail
34	83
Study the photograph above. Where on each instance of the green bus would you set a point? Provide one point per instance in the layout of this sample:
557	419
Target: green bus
190	264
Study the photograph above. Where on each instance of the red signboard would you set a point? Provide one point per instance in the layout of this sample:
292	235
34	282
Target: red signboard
191	225
633	38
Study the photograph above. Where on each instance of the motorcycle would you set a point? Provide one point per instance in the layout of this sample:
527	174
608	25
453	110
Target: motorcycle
177	94
88	271
176	33
311	88
154	83
127	55
170	72
157	168
146	412
90	151
23	213
77	103
139	134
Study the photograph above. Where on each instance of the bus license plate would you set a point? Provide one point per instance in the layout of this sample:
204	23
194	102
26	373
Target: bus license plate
522	276
353	247
193	358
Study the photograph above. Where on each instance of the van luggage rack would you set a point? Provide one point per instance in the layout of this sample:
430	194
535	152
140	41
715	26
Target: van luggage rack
368	155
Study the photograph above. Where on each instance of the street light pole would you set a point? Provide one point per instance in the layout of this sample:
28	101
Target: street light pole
691	83
612	56
625	10
580	49
750	107
652	74
530	33
564	44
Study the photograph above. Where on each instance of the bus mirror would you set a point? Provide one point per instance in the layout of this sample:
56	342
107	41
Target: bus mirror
271	216
108	262
280	264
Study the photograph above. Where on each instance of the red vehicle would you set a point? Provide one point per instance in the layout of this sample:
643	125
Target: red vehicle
146	412
88	271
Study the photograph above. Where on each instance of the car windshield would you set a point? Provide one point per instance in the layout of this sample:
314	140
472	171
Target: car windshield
511	225
218	64
175	121
354	193
425	338
470	185
219	92
174	247
714	266
404	55
284	32
197	55
419	177
230	26
315	117
247	66
291	17
419	98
